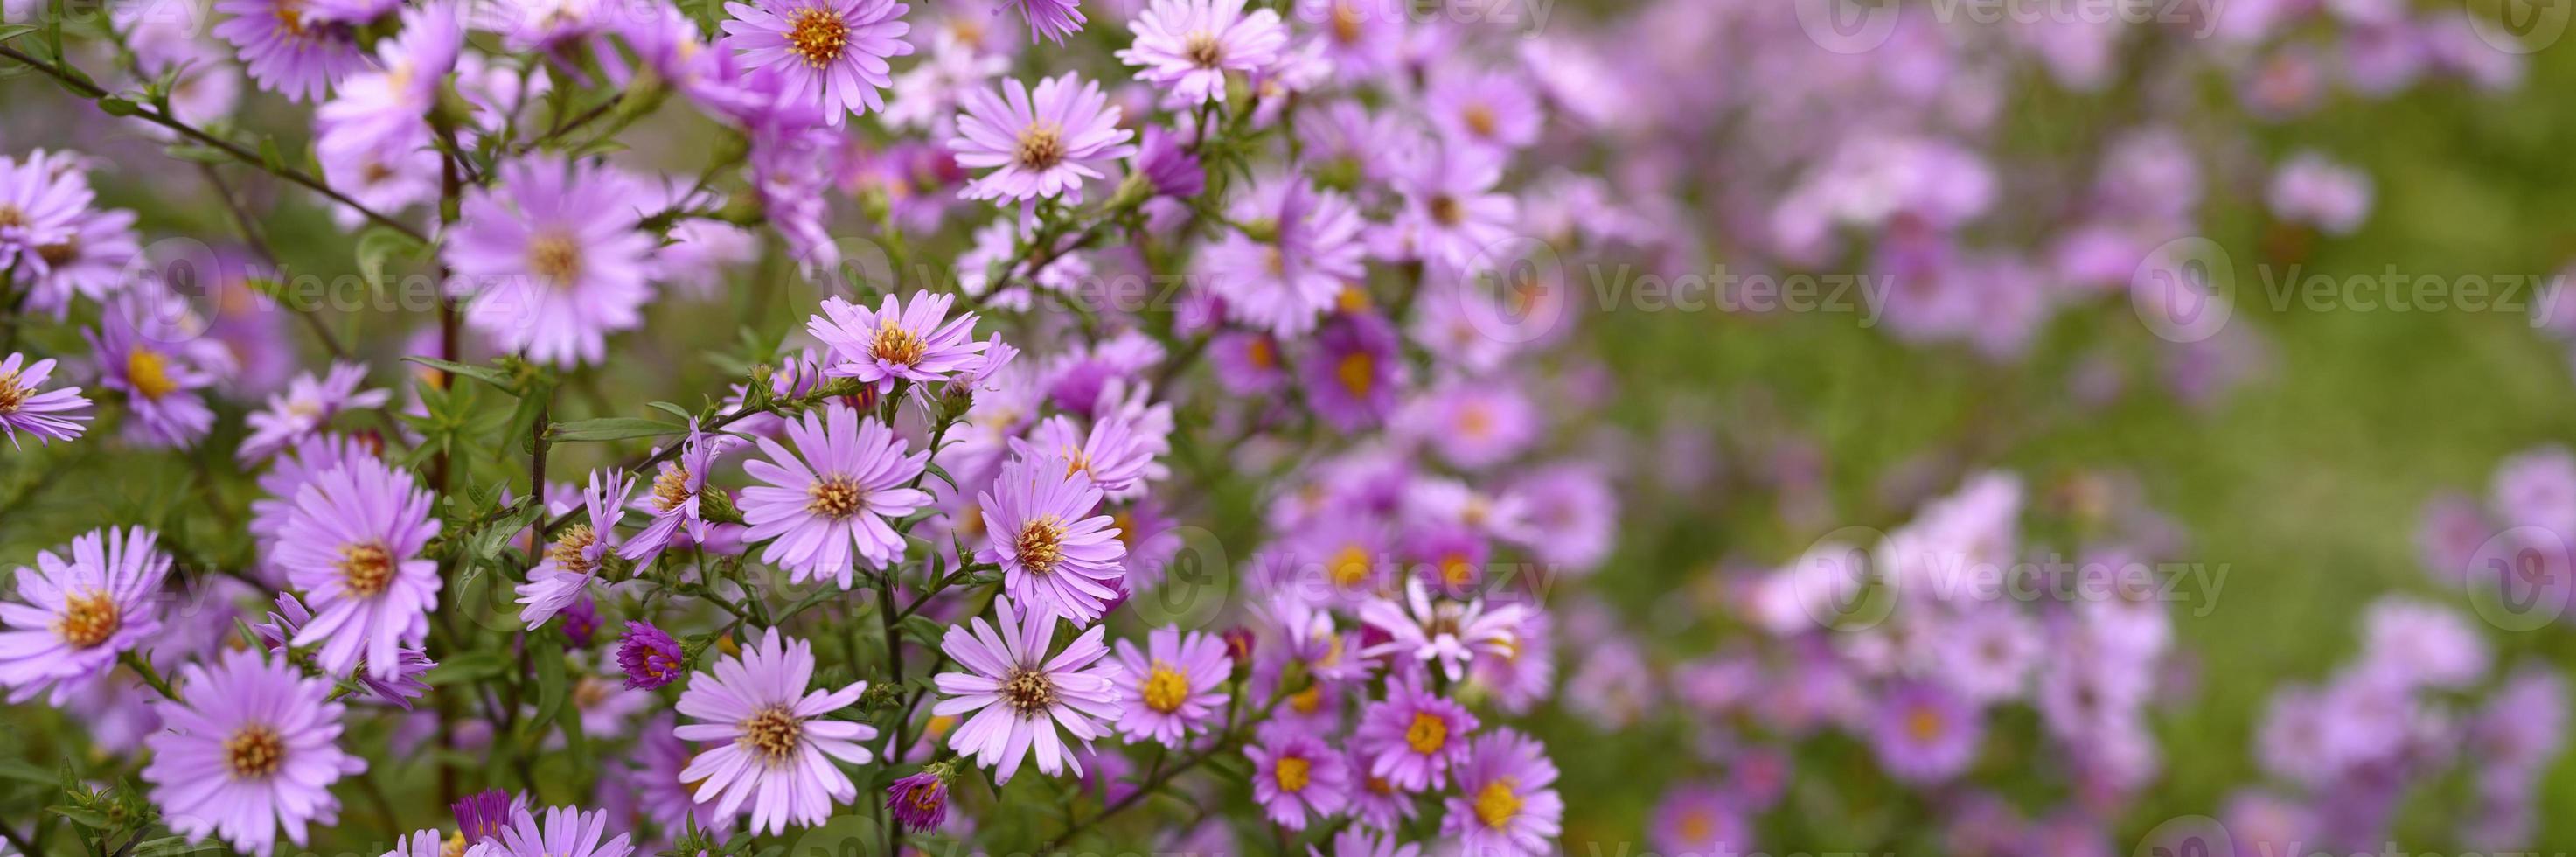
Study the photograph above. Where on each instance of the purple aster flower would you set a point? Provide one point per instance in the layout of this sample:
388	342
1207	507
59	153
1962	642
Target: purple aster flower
287	52
573	561
660	792
830	52
249	748
830	500
674	499
1117	457
1495	110
400	689
1044	144
1247	363
1188	46
1924	733
1358	841
1056	556
2310	188
352	545
1171	684
1168	163
1351	370
1297	778
1053	19
160	381
1412	736
484	814
385	109
1284	279
1451	216
776	736
1699	818
42	200
50	415
424	842
306	406
649	656
553	259
580	621
914	343
566	832
919	801
75	615
89	261
1446	632
1474	424
1505	806
286	476
1020	694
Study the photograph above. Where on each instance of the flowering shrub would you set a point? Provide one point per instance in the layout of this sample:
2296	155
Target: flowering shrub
1019	426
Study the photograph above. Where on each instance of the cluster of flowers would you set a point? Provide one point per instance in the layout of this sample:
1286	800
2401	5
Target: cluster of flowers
1331	180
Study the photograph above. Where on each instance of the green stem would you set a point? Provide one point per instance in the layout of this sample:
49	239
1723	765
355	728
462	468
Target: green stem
150	676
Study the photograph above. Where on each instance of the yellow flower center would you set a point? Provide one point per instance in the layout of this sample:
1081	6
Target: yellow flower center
671	488
1427	734
1166	688
1349	567
1923	723
88	619
1456	571
817	36
59	254
1041	145
1202	49
1358	372
1041	544
1446	211
1029	692
833	497
568	552
1496	803
454	846
1262	353
1480	119
1307	701
555	257
12	393
897	346
254	752
148	373
1346	22
365	569
773	732
1475	422
1292	772
12	217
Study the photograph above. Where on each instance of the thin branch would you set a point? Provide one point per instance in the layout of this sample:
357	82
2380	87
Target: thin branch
258	241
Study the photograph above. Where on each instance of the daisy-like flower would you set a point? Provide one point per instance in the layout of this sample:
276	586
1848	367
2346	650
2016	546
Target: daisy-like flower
1924	733
425	842
1297	778
25	406
42	200
1359	841
89	261
674	500
917	343
566	831
307	405
660	793
1114	453
829	52
1044	144
1020	696
1506	805
1187	46
1056	556
352	545
1283	280
287	52
1351	371
1053	19
1171	684
919	801
553	259
1412	736
776	737
573	561
386	108
1446	632
75	615
404	686
160	382
648	656
1495	110
1451	214
249	748
830	500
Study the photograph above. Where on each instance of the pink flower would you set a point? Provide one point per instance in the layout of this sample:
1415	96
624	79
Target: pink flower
1020	696
775	737
830	500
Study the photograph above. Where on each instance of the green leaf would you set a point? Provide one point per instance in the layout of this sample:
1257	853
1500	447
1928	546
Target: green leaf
270	157
611	428
674	410
924	629
485	374
468	667
118	106
12	31
551	687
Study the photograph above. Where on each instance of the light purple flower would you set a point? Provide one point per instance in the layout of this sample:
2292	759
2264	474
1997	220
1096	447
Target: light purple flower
1413	736
1053	19
75	615
1505	805
674	500
565	832
1115	454
160	381
1351	370
1170	685
2310	188
775	736
1359	841
352	546
287	52
42	200
1188	46
573	560
1020	694
1495	110
25	406
1040	144
249	749
1056	556
1699	818
830	52
385	109
1297	778
1446	633
307	405
90	261
829	501
1452	218
553	258
1282	281
918	342
400	689
1924	733
1474	423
